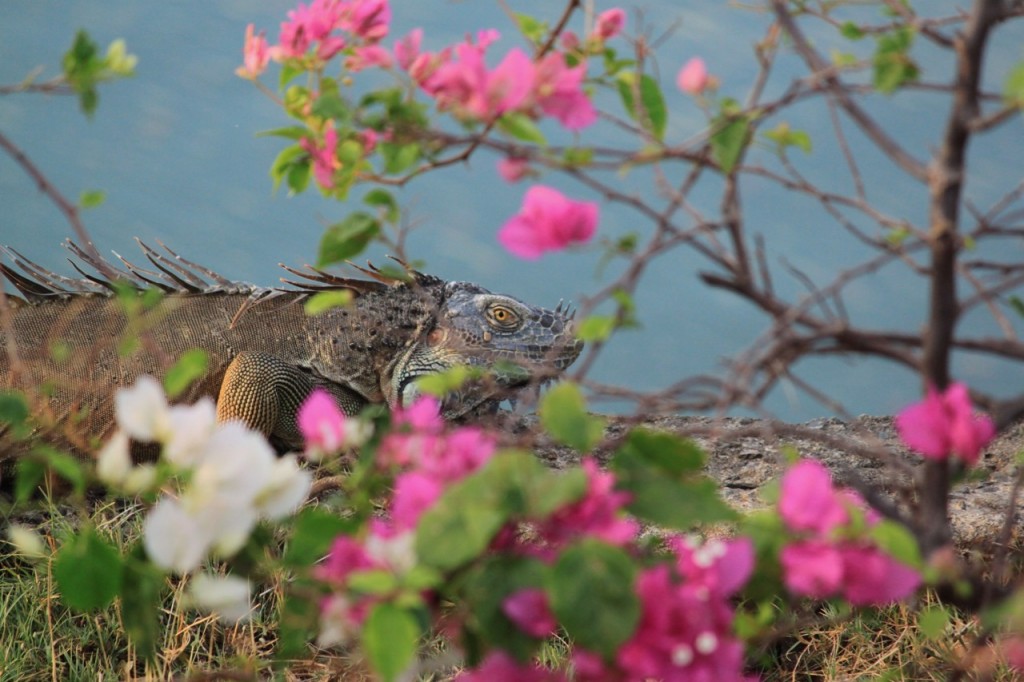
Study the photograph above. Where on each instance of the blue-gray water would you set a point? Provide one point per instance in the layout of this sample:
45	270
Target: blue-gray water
174	148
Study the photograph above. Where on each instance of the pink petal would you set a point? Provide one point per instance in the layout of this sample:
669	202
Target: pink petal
693	77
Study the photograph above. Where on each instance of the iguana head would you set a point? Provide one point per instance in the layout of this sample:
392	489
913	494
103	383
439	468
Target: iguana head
513	343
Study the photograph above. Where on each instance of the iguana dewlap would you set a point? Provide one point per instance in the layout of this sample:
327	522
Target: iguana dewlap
265	353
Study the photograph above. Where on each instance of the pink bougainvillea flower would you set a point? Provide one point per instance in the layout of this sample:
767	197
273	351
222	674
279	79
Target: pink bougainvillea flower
529	610
367	19
808	501
693	77
321	423
325	156
255	54
812	568
945	424
609	23
873	578
684	633
513	170
599	514
558	91
466	85
366	56
346	555
408	48
569	40
500	667
548	221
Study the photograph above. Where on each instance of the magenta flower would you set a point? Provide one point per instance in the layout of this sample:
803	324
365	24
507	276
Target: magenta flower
500	667
872	577
415	492
529	610
366	56
408	48
367	19
471	90
255	54
548	221
513	170
321	423
609	23
808	501
558	91
693	77
945	424
812	568
324	155
598	515
346	555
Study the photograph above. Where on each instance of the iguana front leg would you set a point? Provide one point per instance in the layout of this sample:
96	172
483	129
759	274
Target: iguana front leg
266	392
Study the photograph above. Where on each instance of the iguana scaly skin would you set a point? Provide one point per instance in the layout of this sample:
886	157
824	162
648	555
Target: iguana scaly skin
265	353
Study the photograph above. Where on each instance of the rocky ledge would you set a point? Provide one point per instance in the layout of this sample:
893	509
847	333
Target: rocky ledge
745	454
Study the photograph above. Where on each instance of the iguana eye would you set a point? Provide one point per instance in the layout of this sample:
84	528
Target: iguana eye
502	317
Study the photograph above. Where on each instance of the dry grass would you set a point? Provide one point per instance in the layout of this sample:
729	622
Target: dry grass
40	639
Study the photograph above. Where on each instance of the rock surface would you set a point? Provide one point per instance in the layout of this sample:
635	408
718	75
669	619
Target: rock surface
746	454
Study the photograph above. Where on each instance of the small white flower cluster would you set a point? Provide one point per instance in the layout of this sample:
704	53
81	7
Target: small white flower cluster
231	479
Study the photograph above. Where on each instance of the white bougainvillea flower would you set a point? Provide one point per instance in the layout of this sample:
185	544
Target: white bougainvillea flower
175	540
228	522
285	489
228	596
114	461
234	467
26	541
191	427
142	411
337	624
397	550
141	479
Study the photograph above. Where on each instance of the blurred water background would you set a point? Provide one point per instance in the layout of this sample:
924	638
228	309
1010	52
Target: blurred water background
175	150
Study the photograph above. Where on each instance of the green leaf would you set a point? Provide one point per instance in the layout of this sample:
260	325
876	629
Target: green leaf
785	137
669	453
141	590
654	117
314	531
64	465
851	31
892	63
192	365
391	636
91	198
896	540
443	383
729	140
1017	304
563	413
595	328
577	156
383	199
485	588
322	301
289	132
462	523
28	475
298	623
289	70
932	621
399	157
347	239
592	595
81	67
331	105
521	127
659	472
298	177
1013	87
88	571
13	407
372	581
285	160
533	29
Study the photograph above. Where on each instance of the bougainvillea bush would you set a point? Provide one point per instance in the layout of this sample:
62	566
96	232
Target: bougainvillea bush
447	530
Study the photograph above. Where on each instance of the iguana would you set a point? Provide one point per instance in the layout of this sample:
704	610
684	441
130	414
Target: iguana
265	353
